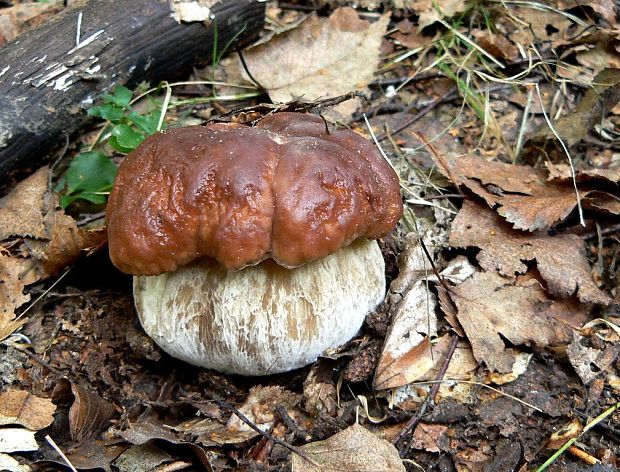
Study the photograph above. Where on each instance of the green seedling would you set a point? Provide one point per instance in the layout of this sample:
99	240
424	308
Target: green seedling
126	128
91	174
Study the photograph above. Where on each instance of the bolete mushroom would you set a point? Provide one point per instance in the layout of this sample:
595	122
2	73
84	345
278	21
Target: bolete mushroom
252	246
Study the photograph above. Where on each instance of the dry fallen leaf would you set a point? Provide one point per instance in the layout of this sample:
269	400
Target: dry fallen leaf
144	457
17	440
89	414
605	8
20	17
355	450
603	201
535	25
7	463
320	58
320	396
519	193
65	244
22	212
15	274
407	352
51	240
591	360
522	361
407	36
462	366
569	431
22	408
492	308
430	11
561	259
563	173
259	407
94	454
430	437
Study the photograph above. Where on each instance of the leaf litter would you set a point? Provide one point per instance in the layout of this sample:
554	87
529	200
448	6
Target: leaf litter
505	266
320	58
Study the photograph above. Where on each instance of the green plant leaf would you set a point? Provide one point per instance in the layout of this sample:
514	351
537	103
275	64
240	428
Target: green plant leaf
88	176
147	123
126	138
122	96
108	112
96	198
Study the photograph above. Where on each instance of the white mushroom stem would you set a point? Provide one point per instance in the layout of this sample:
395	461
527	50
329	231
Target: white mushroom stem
262	319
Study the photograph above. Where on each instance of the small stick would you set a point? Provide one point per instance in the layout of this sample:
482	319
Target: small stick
431	395
440	160
291	425
604	232
36	357
227	406
90	218
433	266
583	455
451	95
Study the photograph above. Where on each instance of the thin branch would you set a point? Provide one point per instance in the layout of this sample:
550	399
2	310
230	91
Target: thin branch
430	398
227	406
448	97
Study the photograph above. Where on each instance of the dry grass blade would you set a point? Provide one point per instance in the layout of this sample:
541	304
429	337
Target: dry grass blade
570	159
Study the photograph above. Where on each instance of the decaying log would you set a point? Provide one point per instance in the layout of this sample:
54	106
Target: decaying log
51	75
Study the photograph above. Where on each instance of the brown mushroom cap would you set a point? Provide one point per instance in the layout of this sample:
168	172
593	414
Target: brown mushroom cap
284	189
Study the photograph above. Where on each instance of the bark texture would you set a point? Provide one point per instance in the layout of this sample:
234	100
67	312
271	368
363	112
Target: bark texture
48	79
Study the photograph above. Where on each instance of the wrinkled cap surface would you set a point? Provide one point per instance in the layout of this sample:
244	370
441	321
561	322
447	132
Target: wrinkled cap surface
284	189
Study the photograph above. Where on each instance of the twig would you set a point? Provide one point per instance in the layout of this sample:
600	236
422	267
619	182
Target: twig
60	453
247	70
227	406
583	455
448	97
37	358
291	425
444	195
433	266
440	160
91	218
604	232
397	80
431	395
38	299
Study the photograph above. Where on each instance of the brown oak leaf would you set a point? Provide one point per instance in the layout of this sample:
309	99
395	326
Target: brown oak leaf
492	308
561	259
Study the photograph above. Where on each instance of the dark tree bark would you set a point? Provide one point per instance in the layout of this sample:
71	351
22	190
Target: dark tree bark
47	81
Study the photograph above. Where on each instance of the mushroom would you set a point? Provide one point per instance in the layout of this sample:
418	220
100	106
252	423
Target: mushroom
253	247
